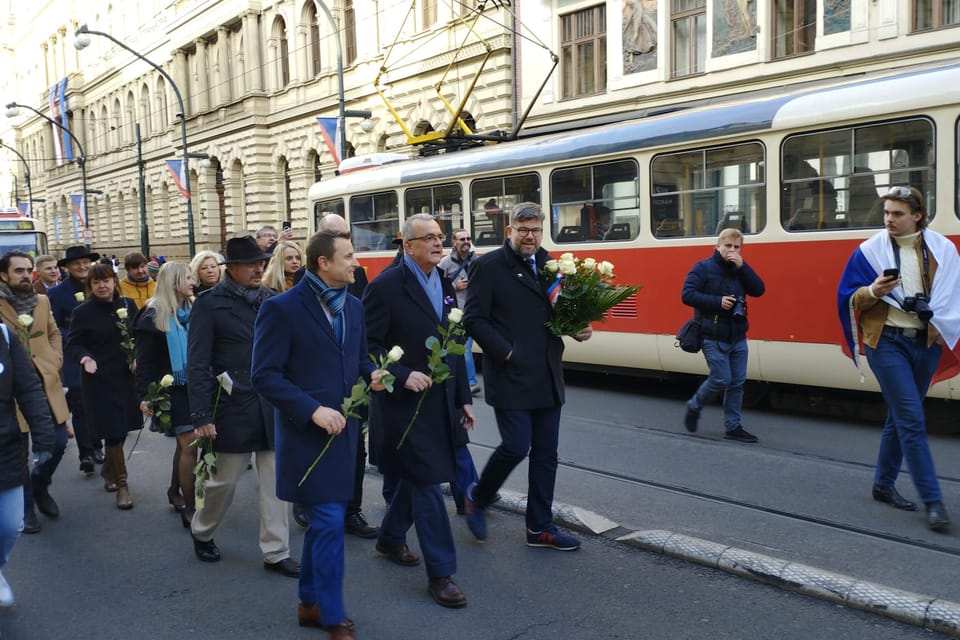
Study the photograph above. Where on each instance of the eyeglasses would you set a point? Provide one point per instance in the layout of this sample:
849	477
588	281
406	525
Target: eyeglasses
430	237
526	231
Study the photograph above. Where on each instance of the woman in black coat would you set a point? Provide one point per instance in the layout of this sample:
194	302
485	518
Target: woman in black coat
95	341
19	383
161	336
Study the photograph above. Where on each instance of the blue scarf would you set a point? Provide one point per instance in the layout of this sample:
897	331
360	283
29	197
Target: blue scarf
333	298
177	344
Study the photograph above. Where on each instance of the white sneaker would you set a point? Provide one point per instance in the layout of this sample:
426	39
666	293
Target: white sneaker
6	593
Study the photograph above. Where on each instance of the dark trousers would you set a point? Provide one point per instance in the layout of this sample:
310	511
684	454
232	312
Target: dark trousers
536	432
82	432
355	505
322	561
423	506
41	475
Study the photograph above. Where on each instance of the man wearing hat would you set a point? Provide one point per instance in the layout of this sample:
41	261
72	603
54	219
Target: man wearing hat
240	422
63	299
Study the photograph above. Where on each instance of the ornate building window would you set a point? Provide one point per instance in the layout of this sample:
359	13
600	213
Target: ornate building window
583	52
429	13
933	14
794	27
314	40
688	29
349	33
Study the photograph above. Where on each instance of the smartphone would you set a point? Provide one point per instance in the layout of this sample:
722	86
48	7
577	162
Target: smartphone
892	273
286	225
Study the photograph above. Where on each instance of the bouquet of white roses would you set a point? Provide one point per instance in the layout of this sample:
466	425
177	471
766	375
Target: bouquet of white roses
582	292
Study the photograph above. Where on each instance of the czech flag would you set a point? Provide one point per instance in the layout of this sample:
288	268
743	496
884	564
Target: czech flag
175	167
330	132
77	202
876	254
553	291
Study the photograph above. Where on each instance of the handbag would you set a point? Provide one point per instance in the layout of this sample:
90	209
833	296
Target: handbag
688	338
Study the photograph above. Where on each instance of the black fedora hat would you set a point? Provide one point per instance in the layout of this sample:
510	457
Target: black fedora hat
243	250
77	252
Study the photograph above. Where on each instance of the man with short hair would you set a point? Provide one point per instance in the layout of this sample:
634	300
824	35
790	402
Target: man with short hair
138	285
45	348
48	274
455	266
507	308
310	347
267	237
63	299
236	417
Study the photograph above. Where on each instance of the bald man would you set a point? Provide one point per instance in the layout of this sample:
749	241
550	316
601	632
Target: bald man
355	523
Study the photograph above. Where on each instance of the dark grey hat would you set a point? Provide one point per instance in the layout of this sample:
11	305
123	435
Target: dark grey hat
77	252
243	250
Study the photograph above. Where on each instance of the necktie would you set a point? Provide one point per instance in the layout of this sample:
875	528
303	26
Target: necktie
532	264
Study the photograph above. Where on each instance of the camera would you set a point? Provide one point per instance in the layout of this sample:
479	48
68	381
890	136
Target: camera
739	309
918	304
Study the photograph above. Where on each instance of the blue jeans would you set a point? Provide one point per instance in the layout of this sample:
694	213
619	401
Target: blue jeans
423	506
904	368
322	561
468	360
11	520
728	372
466	475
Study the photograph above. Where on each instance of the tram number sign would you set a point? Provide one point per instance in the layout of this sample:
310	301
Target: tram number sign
87	235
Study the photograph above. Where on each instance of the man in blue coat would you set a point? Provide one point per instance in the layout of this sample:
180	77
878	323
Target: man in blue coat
310	347
404	306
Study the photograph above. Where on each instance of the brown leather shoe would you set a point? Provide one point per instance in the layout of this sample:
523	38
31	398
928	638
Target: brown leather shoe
446	593
398	554
308	615
341	632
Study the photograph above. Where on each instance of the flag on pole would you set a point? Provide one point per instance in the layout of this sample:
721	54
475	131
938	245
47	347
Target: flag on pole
77	202
24	208
175	167
54	129
56	228
330	131
64	120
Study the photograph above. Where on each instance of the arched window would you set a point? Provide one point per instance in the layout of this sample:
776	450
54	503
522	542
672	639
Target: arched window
160	105
311	19
349	33
146	124
282	52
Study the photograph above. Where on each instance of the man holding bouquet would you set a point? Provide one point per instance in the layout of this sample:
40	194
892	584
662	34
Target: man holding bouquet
507	311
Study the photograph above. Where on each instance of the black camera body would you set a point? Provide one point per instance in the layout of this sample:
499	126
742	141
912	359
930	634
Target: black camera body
739	309
920	305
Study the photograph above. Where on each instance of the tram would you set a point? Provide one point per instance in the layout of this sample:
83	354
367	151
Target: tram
19	232
799	172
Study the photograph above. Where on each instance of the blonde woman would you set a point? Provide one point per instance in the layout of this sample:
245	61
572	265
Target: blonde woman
206	269
161	338
287	259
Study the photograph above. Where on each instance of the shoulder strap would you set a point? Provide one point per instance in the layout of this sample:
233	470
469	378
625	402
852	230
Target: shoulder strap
6	333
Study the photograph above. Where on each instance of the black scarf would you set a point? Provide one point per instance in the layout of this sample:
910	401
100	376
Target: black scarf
253	296
21	302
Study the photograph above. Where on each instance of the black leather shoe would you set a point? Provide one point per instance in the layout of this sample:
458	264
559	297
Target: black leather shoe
87	466
357	525
206	551
891	496
46	504
740	435
937	518
398	554
31	524
690	420
286	567
300	515
98	456
446	593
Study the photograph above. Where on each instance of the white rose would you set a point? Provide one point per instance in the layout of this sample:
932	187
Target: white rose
78	296
122	313
166	381
25	319
568	267
455	315
395	354
566	256
551	266
589	264
605	268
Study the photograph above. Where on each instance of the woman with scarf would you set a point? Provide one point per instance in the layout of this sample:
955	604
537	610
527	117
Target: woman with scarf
104	351
161	339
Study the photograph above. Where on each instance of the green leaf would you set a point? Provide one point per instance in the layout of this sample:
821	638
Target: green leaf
164	405
210	458
432	343
441	372
457	349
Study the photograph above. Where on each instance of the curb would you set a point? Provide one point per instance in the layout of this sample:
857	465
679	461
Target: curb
919	610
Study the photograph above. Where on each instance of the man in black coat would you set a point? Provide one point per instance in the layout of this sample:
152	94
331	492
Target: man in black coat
507	307
225	406
404	306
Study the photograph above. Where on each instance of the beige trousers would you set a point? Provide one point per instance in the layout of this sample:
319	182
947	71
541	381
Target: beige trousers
218	495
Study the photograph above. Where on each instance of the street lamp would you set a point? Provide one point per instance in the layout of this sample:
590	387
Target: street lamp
13	110
81	41
366	125
26	169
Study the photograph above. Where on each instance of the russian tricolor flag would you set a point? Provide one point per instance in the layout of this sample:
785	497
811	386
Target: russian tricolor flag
330	133
175	167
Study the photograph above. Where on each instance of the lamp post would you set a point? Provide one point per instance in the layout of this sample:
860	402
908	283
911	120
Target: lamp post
13	110
81	41
26	170
344	113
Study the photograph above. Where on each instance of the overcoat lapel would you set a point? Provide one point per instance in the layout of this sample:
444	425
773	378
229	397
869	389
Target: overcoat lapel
309	299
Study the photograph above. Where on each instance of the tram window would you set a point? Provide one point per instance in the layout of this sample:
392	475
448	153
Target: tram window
442	202
702	191
595	203
492	199
374	221
834	179
325	207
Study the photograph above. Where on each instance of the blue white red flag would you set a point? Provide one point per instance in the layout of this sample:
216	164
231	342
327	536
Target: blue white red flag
553	291
876	254
24	208
54	129
175	167
77	202
65	121
330	132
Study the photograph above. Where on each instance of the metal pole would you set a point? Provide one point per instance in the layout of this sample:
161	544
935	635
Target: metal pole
26	172
341	117
144	233
183	126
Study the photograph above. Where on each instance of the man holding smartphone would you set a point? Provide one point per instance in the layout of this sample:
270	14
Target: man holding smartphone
717	289
267	237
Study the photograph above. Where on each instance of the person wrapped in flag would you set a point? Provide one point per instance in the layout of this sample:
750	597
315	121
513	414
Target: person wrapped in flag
898	293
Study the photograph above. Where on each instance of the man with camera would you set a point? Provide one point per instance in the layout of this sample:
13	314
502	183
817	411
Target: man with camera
717	289
899	289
